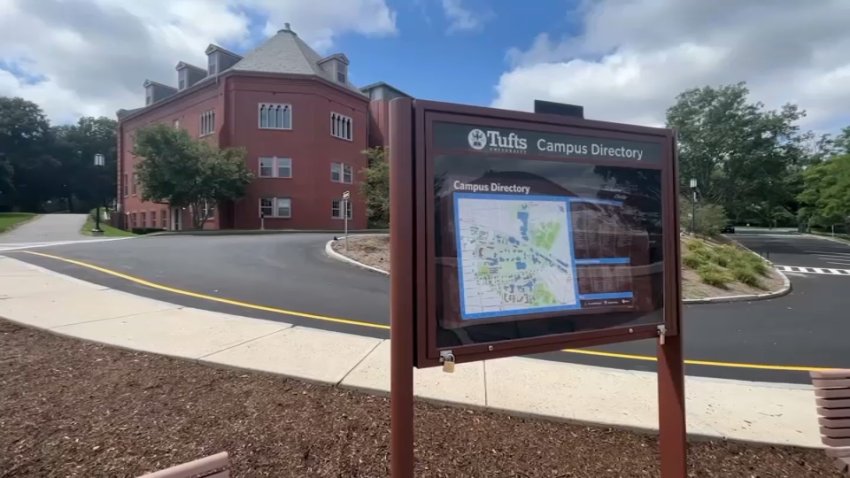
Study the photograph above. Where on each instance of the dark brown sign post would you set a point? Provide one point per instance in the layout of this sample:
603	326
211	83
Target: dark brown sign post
516	233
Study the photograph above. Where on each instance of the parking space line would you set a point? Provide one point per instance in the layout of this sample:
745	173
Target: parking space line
248	305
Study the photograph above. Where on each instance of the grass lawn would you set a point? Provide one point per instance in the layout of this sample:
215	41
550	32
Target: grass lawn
8	220
108	231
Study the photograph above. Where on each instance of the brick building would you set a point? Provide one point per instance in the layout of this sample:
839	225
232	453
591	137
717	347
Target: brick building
303	124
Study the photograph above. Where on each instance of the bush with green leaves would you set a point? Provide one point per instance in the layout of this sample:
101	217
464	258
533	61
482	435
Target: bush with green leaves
710	218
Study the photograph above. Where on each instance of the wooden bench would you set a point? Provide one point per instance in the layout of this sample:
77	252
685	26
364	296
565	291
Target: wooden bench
215	466
832	393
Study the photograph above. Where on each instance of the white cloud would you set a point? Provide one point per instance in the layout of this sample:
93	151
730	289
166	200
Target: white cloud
633	57
93	56
462	18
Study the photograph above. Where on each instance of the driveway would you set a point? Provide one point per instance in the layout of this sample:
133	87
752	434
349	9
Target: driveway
46	228
266	276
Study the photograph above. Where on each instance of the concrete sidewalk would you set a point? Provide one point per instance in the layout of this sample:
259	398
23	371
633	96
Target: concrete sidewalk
746	411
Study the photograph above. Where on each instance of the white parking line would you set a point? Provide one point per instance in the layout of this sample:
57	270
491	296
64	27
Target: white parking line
815	270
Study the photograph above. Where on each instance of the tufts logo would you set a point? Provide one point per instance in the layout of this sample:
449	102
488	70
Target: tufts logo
496	141
477	139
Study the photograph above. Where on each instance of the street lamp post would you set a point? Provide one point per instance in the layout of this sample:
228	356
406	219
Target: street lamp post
99	161
694	206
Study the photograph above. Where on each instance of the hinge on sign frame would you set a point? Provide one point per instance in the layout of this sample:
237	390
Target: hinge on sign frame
662	332
447	358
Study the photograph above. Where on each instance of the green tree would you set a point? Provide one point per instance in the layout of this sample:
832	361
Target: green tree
28	173
75	147
826	193
184	172
745	158
376	187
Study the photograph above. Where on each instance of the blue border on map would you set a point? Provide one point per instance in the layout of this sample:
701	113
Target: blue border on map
567	200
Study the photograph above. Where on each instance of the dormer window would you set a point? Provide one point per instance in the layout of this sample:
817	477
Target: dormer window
340	76
211	64
148	98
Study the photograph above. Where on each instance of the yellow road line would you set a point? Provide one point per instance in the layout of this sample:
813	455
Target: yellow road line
221	300
708	363
248	305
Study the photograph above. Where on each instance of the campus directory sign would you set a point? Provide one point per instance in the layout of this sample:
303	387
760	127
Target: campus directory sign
529	233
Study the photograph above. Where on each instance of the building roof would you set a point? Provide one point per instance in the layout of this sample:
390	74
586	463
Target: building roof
211	48
183	64
287	53
379	84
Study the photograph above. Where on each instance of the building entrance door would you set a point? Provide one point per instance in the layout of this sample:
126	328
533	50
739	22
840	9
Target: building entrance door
176	219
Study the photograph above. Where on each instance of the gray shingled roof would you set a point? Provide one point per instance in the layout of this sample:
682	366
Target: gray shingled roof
286	53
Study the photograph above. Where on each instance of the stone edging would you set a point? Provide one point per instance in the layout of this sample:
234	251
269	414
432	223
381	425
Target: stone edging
786	283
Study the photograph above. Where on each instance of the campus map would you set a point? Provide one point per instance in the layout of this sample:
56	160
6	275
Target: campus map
515	255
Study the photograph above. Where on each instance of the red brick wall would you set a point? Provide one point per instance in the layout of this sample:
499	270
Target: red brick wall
379	122
187	110
309	144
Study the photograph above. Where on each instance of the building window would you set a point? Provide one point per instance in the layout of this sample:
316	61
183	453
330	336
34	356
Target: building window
207	122
209	210
164	219
181	83
341	126
211	66
274	116
125	186
135	183
274	167
340	76
132	220
153	219
144	219
336	209
148	99
341	173
276	207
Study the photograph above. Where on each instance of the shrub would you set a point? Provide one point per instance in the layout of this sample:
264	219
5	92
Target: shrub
745	274
692	261
710	217
714	275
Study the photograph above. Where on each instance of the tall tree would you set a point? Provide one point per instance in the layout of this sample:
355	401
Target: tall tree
185	172
27	171
744	157
76	145
826	195
376	187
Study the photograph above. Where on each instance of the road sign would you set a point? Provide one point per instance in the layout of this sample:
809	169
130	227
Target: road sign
517	233
346	194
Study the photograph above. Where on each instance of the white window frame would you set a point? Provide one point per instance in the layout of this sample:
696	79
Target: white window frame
209	208
343	168
276	163
275	207
342	126
263	109
336	208
207	123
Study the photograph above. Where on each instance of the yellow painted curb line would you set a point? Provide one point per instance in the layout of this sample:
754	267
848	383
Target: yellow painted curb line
338	320
198	295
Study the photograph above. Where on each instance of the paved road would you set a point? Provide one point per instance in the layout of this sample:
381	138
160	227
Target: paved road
289	271
46	228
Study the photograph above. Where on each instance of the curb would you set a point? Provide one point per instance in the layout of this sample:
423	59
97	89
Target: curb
329	250
786	283
255	232
839	240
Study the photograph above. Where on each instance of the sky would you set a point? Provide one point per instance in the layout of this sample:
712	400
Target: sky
623	60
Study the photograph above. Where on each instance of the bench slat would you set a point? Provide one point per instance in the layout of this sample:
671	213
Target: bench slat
833	403
834	412
832	392
831	383
830	374
835	441
835	432
843	452
211	466
834	422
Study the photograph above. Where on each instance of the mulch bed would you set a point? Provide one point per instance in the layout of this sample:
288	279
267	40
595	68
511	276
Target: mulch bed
76	409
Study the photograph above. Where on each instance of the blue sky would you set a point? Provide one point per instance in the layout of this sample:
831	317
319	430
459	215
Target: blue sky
623	60
427	60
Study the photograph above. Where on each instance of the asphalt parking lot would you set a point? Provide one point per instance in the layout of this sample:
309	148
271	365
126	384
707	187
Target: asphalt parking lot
287	277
